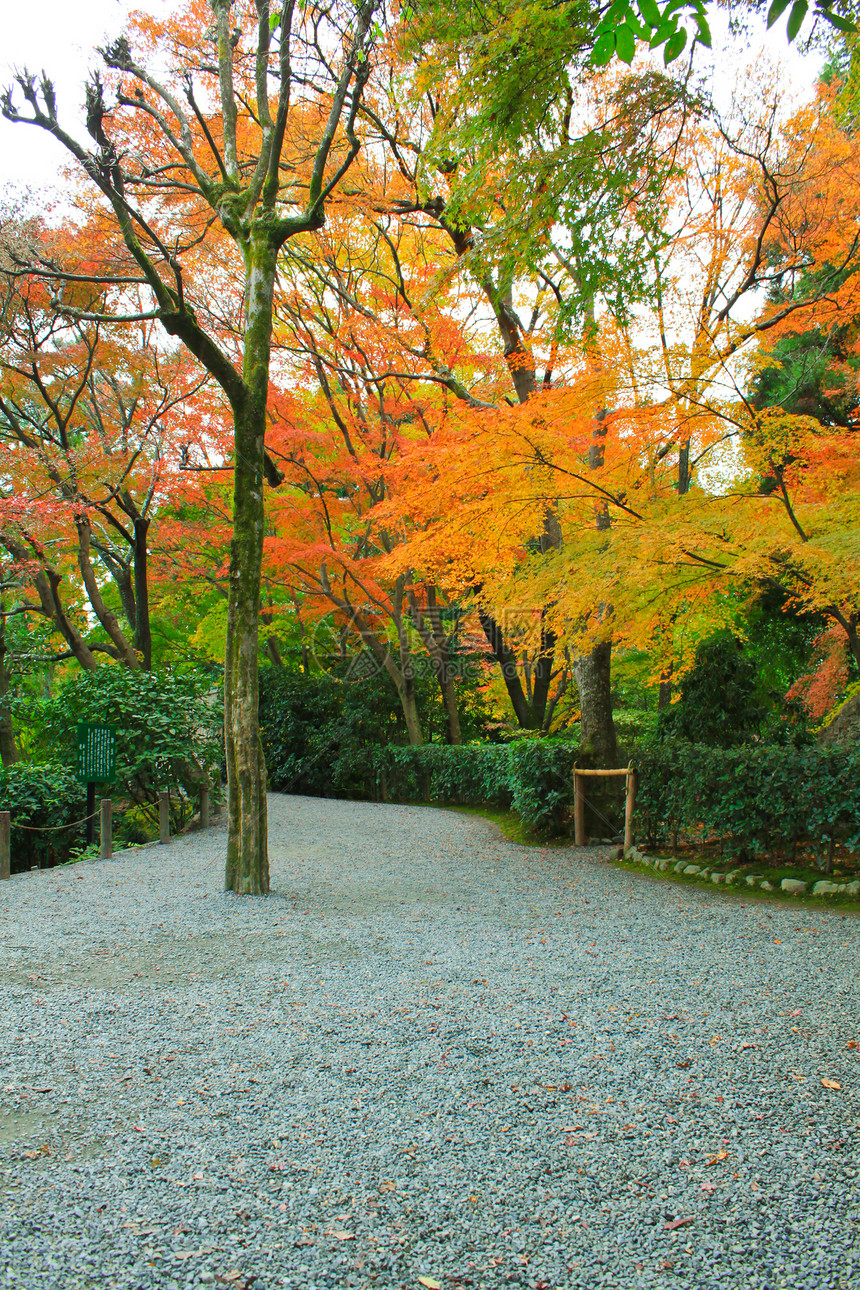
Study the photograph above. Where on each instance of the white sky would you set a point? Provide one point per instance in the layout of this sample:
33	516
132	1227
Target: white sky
60	36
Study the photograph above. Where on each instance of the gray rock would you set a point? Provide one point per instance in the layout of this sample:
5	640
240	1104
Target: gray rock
794	886
662	865
717	877
679	866
692	868
852	888
767	886
825	888
753	879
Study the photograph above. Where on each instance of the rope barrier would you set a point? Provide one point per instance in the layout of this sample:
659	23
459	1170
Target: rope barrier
55	828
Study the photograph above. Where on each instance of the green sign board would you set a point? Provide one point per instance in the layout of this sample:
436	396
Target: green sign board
96	760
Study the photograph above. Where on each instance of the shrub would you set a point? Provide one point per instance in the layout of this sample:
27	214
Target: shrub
533	778
755	800
168	732
42	797
718	702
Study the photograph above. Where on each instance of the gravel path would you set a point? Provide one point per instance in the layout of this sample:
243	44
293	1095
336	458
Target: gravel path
428	1054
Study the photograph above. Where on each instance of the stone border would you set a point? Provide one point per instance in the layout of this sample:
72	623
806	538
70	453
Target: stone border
737	878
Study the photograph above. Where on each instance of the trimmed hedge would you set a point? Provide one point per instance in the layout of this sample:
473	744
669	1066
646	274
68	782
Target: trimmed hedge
42	797
535	779
755	800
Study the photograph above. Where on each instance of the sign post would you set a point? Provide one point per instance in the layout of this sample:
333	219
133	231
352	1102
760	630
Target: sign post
95	764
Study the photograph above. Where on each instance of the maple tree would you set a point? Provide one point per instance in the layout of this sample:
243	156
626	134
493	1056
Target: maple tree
89	419
757	211
247	130
538	230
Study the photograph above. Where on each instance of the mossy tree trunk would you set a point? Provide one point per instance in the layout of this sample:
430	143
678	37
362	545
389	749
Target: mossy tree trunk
247	853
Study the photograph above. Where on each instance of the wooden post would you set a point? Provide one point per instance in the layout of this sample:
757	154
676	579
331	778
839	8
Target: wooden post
164	817
106	822
578	810
4	845
204	806
629	804
90	827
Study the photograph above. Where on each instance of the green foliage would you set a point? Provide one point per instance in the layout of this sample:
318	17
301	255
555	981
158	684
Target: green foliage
757	800
41	798
317	728
533	778
168	732
328	737
718	703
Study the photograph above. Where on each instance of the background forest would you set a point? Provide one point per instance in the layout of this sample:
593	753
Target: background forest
557	424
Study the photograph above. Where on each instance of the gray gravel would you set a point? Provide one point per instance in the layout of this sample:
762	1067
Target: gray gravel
429	1053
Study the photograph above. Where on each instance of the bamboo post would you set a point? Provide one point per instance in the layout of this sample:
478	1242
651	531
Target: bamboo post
629	804
578	810
164	817
204	806
106	821
4	845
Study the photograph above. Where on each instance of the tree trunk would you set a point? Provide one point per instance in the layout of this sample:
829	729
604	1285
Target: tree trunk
406	684
142	626
504	656
47	585
543	676
593	678
449	698
247	868
593	671
409	703
106	617
8	747
428	624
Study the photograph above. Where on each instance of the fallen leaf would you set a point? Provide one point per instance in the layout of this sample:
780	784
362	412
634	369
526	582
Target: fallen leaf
852	1043
830	1083
715	1160
676	1223
709	1187
430	1283
342	1236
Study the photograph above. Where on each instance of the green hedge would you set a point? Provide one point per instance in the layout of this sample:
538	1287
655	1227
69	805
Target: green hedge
42	797
756	800
533	778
